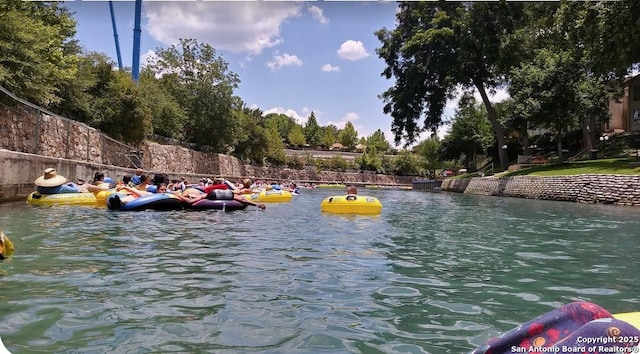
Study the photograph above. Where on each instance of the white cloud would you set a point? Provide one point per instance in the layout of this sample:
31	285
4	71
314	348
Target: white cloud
349	117
238	26
327	68
317	14
352	50
149	57
280	61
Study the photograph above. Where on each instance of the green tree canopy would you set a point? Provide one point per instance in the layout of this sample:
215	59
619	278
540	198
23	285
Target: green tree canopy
168	117
348	136
329	135
440	46
120	111
281	122
37	51
312	131
429	150
275	147
377	141
251	142
88	83
296	135
199	80
470	132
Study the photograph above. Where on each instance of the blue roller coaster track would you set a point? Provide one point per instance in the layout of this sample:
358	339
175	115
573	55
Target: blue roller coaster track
135	68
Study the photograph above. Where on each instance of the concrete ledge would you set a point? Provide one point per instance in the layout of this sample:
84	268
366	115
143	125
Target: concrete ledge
592	188
19	170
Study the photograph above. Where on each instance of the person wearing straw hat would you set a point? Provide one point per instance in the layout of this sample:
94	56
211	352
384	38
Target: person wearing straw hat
52	183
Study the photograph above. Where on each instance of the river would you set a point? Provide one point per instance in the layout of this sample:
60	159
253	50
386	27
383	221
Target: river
434	273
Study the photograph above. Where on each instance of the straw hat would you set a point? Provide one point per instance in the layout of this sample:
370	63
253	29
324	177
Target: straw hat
50	179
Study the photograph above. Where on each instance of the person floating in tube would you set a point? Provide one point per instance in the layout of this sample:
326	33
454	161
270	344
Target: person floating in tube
217	194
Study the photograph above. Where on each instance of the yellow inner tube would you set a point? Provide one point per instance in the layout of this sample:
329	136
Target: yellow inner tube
632	318
271	196
87	198
351	204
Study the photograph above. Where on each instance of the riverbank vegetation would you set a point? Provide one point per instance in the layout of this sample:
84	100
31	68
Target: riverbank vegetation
560	77
560	62
616	166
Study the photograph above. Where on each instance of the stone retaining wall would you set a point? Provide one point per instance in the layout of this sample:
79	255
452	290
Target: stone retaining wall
31	140
178	160
29	130
593	188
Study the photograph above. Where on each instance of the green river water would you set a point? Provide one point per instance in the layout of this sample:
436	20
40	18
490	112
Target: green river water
434	273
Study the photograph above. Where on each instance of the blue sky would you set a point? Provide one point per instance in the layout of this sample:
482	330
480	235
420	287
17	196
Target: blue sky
292	57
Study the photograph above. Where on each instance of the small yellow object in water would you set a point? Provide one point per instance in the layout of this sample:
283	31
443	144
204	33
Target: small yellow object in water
6	246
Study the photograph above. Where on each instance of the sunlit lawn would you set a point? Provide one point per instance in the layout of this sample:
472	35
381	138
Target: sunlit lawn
621	166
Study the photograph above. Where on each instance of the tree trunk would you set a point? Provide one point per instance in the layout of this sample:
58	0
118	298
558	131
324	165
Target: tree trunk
559	140
526	142
587	133
497	127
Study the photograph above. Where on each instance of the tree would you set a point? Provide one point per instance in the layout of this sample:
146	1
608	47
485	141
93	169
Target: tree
429	150
603	66
168	118
78	93
312	131
120	111
199	80
551	84
329	135
377	141
251	143
282	122
275	147
607	32
407	164
37	50
348	136
368	162
470	133
567	82
296	136
439	46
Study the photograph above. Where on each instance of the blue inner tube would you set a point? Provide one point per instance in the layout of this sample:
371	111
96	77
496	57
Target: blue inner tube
217	204
153	202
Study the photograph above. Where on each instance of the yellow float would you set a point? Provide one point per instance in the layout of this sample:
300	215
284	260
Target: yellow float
6	247
351	204
86	198
632	318
270	196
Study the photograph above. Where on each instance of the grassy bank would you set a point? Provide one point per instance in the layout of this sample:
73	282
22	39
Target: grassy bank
620	166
